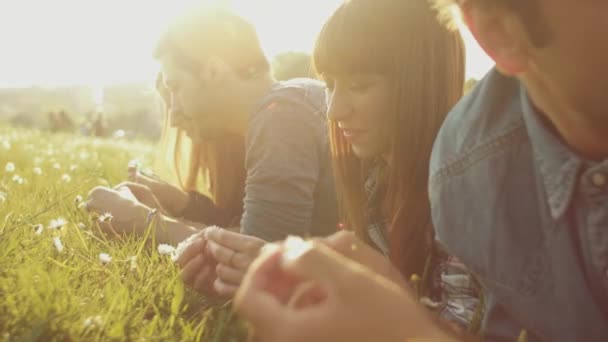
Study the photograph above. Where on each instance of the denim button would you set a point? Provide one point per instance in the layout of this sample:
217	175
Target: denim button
599	179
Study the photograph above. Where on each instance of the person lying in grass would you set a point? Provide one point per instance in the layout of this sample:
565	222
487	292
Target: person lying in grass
258	148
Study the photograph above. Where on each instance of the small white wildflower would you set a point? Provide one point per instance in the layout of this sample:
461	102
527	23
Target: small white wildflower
57	223
10	167
81	225
66	178
73	167
78	199
105	258
133	260
37	171
105	218
58	244
56	166
95	321
182	246
164	249
18	179
39	229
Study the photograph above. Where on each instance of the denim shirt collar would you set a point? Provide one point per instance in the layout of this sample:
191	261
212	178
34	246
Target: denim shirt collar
558	166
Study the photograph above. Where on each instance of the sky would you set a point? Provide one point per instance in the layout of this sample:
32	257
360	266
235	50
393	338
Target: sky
101	42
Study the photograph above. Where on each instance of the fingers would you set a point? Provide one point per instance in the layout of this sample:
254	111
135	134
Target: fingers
198	274
229	275
97	197
198	247
246	244
224	289
228	256
203	282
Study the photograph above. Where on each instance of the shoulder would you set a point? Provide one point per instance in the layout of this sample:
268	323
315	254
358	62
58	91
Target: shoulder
484	123
297	104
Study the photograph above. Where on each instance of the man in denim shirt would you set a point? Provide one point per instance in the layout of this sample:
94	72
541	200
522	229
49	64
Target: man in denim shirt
519	172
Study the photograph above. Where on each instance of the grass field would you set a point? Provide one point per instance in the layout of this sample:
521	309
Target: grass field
53	283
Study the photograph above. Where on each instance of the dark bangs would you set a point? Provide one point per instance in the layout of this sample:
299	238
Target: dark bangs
354	40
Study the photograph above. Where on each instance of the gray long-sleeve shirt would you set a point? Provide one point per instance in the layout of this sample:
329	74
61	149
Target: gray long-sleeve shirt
289	188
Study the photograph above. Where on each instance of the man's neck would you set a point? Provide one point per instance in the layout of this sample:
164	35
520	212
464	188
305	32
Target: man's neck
585	134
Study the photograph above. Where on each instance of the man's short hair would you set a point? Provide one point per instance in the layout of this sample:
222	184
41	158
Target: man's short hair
204	32
527	10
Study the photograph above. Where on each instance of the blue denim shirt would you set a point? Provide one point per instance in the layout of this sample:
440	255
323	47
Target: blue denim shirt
289	188
525	213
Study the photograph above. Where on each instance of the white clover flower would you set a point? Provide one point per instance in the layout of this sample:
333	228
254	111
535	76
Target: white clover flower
58	244
10	167
105	258
56	166
164	249
37	171
39	229
94	321
78	199
57	223
66	178
73	167
105	218
133	260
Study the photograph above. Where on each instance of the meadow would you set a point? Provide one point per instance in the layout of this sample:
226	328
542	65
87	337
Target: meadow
59	279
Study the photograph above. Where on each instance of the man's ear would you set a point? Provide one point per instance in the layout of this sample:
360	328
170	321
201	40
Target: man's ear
215	70
501	34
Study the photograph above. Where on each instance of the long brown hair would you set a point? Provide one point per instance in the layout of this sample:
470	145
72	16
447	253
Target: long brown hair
404	40
197	166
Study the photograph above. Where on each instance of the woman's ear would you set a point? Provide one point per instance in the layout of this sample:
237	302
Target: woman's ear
501	34
215	70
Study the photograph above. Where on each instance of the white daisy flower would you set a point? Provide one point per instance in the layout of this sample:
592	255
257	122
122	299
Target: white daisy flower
39	229
105	218
58	244
73	167
57	223
105	258
56	166
78	199
182	246
95	321
18	179
164	249
66	178
37	171
10	167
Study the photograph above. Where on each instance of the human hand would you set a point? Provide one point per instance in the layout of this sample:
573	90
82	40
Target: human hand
198	265
141	193
354	304
349	245
234	252
172	199
127	215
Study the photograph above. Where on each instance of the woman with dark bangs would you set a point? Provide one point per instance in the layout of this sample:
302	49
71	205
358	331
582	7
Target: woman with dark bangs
393	72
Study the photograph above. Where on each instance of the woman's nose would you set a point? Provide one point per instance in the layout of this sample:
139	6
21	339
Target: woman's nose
338	106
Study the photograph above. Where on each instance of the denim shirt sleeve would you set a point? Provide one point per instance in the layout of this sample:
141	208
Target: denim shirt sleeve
282	161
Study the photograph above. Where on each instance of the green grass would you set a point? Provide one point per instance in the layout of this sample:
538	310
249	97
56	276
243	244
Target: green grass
47	295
